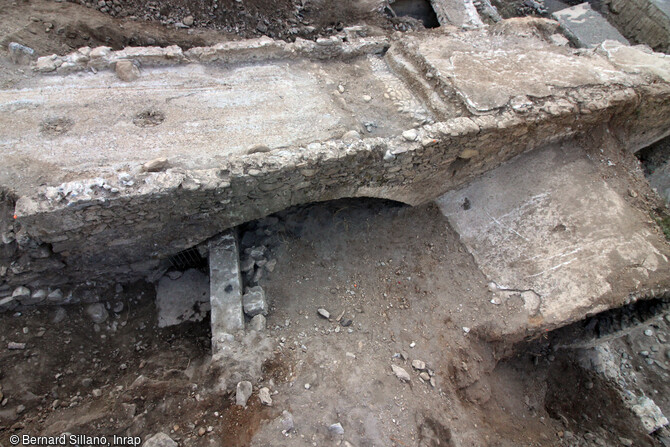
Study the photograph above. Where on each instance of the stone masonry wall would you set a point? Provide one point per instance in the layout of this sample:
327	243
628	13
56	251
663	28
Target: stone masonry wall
122	228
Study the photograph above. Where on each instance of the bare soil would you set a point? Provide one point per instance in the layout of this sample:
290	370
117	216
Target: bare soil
407	285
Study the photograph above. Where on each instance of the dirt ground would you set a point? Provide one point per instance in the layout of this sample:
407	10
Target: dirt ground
408	287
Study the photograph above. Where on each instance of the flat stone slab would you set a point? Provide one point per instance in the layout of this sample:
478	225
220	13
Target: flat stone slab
586	27
556	242
194	115
185	298
225	282
488	77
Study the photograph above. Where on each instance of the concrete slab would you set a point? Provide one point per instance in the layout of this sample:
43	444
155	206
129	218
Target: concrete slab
225	283
586	27
185	298
556	242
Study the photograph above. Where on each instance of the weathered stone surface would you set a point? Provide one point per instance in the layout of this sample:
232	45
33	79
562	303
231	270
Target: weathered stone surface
254	302
585	27
225	289
643	21
111	225
183	299
558	239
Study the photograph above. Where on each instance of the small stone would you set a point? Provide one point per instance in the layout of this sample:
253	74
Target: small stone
202	431
625	442
258	323
21	293
37	297
323	313
648	332
160	440
118	307
351	136
97	312
336	429
410	135
270	265
97	393
287	421
258	149
340	88
155	165
56	296
243	393
400	373
188	21
466	329
264	396
366	98
346	322
308	386
127	71
21	54
59	315
411	345
13	346
254	302
468	154
432	382
86	382
247	264
418	365
425	376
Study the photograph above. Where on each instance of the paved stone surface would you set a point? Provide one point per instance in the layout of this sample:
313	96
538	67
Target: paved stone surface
220	110
225	289
183	299
556	240
586	27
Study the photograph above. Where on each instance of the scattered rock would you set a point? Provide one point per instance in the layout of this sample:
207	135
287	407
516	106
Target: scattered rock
468	154
21	293
366	98
258	323
188	21
202	431
264	396
410	135
37	297
323	313
400	373
13	346
346	322
59	315
86	382
21	54
425	376
418	365
648	332
254	302
270	265
155	165
97	312
97	393
625	442
244	390
127	71
287	421
247	264
159	440
336	429
351	136
56	296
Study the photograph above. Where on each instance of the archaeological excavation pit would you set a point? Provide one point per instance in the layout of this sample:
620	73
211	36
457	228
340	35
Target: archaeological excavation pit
413	223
